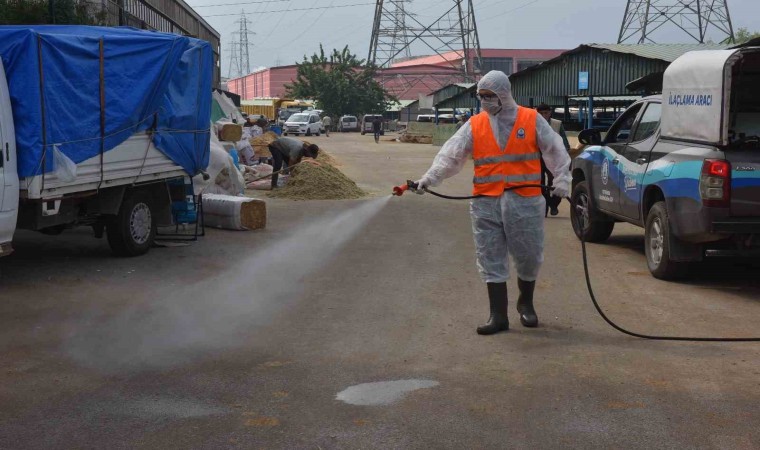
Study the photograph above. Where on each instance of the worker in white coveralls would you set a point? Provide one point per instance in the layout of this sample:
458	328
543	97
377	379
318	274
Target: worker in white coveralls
506	142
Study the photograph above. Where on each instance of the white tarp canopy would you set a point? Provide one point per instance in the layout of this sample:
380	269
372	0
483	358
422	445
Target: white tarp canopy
228	107
696	95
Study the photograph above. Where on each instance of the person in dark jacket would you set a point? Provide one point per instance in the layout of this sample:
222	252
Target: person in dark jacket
552	202
290	151
377	127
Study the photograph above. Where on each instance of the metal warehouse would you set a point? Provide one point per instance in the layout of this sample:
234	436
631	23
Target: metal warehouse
595	74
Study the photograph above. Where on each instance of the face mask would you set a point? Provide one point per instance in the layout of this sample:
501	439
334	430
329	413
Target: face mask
491	106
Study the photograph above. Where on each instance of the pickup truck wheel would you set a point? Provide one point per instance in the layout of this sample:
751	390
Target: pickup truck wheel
597	227
657	245
132	230
308	132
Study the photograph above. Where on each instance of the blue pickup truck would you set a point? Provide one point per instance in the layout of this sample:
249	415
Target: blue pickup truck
685	166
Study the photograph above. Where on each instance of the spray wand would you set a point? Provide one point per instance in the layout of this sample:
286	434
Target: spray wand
399	190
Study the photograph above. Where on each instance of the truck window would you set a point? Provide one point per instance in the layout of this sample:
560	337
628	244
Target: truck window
649	123
621	130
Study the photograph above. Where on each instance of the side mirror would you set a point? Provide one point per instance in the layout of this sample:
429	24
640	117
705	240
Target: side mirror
590	136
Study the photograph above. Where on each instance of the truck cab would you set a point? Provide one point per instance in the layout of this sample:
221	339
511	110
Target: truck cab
87	157
9	187
685	166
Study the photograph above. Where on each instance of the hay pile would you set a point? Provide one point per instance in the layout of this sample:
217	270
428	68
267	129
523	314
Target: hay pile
261	143
416	139
318	180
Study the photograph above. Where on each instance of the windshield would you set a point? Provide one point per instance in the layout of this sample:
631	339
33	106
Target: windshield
285	114
299	118
349	119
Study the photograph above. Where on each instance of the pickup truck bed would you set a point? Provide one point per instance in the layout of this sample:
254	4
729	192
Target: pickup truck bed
134	161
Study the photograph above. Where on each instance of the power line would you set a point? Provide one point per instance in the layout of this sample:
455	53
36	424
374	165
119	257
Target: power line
510	10
305	29
241	3
291	10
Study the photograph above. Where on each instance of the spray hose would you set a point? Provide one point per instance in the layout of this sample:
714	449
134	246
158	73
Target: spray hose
577	218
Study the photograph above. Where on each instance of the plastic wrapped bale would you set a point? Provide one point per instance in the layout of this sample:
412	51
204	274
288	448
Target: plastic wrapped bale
231	132
234	213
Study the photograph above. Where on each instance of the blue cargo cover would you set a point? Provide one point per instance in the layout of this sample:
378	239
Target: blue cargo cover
149	80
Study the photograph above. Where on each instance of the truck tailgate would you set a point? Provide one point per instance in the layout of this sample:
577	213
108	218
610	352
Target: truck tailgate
745	182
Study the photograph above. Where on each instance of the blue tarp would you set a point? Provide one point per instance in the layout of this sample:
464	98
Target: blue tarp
151	80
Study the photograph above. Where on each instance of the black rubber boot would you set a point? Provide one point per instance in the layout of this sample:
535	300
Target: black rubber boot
528	315
497	298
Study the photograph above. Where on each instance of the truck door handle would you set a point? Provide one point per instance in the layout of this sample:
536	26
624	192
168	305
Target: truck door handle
7	152
641	161
615	161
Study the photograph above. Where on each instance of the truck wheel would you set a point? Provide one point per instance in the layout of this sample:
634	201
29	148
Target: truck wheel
308	132
597	227
132	230
657	245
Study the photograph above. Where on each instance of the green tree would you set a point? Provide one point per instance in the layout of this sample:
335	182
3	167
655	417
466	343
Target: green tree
33	12
743	35
340	84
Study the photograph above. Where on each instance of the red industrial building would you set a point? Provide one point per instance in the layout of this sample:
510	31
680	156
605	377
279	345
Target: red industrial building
405	79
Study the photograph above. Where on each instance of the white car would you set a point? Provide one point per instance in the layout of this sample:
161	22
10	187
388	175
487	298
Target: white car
304	123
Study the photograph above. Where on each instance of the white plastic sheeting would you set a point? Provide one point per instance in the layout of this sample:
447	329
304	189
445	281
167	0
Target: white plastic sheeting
695	96
224	176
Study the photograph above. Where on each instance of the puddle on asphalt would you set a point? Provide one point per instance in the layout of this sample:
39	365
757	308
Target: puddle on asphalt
382	392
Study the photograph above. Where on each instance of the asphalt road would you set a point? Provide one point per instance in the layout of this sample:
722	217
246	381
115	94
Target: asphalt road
255	339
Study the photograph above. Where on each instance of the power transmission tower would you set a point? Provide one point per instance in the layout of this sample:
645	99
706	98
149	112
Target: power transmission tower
452	36
644	18
391	41
240	56
234	58
243	44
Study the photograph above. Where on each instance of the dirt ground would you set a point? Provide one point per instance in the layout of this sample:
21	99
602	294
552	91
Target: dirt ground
101	352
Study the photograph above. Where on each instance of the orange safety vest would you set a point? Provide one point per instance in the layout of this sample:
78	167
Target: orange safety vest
518	164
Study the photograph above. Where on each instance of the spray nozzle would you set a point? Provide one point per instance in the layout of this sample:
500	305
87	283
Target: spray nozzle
399	190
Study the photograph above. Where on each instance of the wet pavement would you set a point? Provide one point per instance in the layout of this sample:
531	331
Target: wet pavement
371	346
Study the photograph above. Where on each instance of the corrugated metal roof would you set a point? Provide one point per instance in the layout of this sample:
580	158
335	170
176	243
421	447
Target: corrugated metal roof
398	106
663	52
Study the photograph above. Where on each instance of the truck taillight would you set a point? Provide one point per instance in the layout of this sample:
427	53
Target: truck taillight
715	183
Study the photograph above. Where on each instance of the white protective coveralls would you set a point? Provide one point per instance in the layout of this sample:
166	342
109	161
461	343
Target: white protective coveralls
511	223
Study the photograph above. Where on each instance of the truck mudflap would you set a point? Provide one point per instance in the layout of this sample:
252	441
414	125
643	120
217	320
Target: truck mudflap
6	249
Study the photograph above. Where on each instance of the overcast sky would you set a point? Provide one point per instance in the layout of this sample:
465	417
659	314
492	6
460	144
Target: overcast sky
286	30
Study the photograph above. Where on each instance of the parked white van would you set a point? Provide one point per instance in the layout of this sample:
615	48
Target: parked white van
348	123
